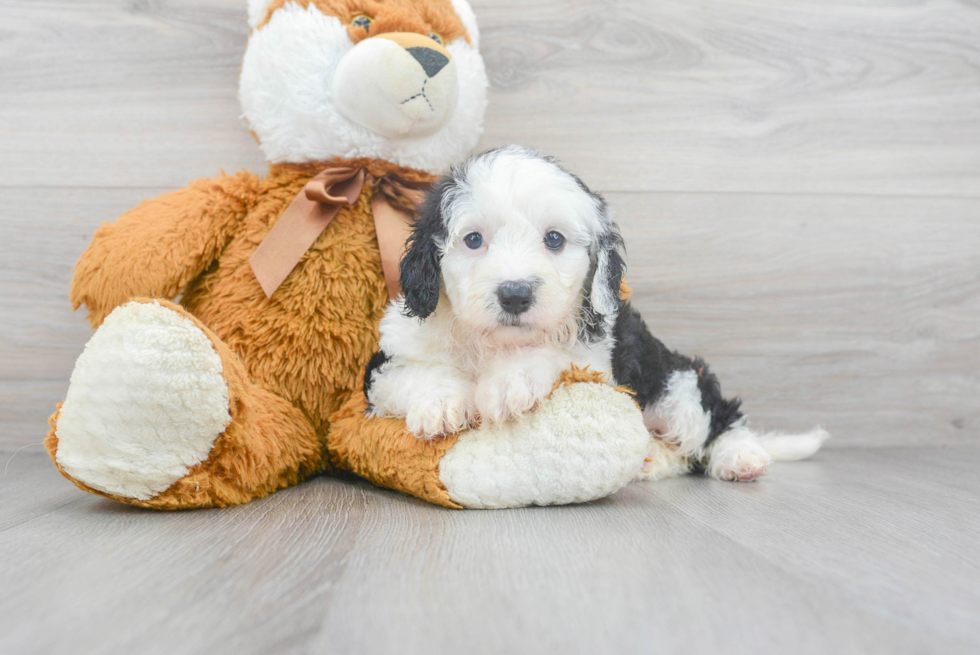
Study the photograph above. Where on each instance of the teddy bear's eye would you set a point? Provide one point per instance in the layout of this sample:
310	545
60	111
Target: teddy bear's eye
362	21
473	240
435	37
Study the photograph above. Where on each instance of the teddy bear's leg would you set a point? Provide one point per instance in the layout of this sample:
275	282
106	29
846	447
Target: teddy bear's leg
585	441
160	413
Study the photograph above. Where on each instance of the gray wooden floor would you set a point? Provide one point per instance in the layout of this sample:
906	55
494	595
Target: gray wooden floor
856	551
799	188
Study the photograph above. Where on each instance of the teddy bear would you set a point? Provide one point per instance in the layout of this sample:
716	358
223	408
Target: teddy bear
235	317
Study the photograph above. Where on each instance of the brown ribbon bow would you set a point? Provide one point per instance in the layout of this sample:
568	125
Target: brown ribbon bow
310	212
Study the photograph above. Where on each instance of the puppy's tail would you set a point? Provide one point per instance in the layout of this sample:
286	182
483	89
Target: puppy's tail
790	447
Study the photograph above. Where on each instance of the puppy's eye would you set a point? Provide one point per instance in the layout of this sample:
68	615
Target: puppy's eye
473	240
362	21
435	37
554	240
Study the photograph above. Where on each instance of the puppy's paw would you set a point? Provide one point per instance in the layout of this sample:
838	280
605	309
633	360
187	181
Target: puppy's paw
439	414
502	397
742	461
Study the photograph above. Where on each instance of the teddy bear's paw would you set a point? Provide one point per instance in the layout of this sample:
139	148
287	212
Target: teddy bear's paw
738	456
507	396
440	414
584	441
146	402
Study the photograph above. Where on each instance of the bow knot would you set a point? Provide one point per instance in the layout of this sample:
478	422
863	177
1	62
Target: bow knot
311	211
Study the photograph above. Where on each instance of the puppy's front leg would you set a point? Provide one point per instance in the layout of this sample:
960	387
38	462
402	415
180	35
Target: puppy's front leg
515	382
435	400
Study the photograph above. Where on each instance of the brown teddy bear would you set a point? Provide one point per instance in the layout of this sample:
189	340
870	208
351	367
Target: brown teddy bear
250	382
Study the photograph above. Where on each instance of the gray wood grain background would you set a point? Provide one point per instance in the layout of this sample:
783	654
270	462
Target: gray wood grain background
798	183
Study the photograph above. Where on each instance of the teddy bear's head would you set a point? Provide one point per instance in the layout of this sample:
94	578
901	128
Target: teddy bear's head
398	80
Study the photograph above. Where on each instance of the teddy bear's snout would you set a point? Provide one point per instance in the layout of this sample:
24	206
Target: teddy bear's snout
399	84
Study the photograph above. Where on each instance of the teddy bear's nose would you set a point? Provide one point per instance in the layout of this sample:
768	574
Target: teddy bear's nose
431	61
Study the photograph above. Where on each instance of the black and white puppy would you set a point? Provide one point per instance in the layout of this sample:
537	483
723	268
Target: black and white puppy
512	273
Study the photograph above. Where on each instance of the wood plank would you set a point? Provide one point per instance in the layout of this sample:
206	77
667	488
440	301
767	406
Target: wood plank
754	96
122	93
120	565
31	486
858	313
839	554
814	96
878	525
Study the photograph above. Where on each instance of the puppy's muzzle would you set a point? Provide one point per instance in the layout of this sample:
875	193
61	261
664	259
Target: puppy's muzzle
515	297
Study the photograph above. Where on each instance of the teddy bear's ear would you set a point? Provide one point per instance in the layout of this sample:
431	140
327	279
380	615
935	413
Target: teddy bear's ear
465	13
421	266
257	9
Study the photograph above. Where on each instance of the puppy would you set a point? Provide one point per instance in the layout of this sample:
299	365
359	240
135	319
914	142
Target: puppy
512	274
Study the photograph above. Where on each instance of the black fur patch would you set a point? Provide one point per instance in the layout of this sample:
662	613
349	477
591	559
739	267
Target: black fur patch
377	360
724	412
641	361
420	271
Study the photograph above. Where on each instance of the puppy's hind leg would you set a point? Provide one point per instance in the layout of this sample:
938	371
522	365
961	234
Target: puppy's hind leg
731	451
678	417
704	427
742	455
736	455
677	395
678	426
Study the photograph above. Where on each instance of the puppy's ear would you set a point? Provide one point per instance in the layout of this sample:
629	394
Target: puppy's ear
421	267
601	294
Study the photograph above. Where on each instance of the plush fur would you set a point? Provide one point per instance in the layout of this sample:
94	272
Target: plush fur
286	363
309	342
510	226
268	445
309	86
152	367
584	441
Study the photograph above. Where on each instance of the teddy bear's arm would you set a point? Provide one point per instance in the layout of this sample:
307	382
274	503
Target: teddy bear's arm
156	248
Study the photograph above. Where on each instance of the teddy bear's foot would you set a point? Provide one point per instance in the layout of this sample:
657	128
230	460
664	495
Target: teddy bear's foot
147	401
160	414
585	441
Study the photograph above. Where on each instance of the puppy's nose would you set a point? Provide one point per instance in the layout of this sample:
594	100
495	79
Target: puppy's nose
515	297
431	60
